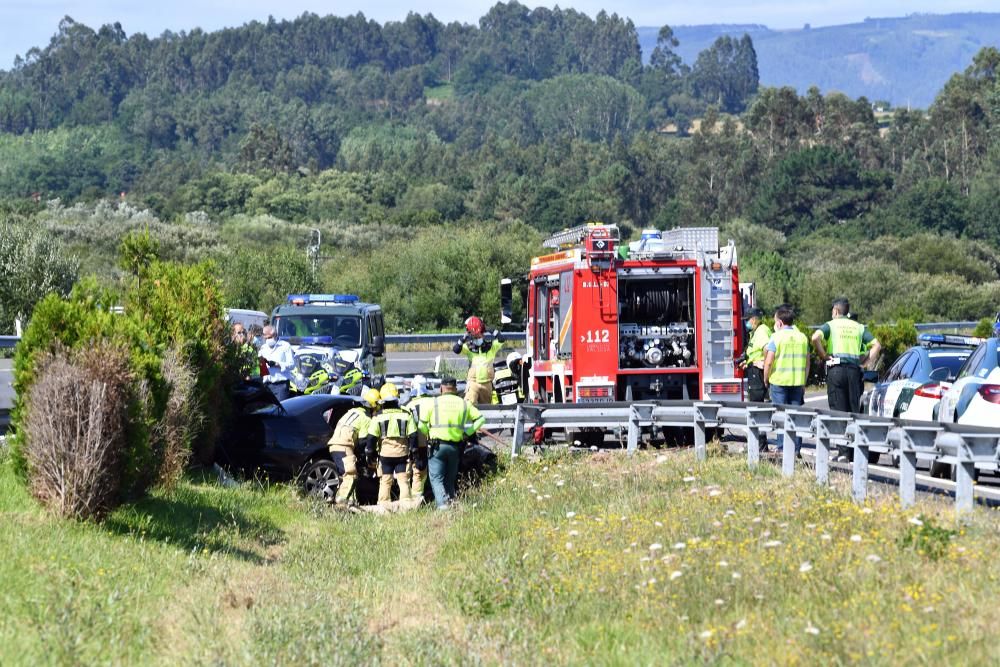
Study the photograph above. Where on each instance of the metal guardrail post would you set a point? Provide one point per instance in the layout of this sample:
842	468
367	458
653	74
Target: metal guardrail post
758	424
524	414
640	414
705	414
911	441
829	430
797	423
867	434
954	450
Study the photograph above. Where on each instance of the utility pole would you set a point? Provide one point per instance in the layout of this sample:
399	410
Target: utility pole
312	250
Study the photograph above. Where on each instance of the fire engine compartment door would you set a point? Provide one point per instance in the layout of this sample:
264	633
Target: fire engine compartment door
554	316
657	325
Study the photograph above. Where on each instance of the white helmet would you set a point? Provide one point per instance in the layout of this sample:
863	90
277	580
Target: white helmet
418	386
512	357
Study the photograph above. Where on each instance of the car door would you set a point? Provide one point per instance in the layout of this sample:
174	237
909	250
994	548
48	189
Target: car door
878	399
897	388
967	374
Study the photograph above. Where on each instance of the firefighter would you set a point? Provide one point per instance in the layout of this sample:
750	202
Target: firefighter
393	433
507	381
417	467
753	364
786	364
448	423
840	344
480	352
348	435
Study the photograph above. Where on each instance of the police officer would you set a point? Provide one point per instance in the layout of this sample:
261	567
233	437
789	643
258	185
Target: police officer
786	364
447	424
348	435
394	434
480	353
417	468
753	365
840	344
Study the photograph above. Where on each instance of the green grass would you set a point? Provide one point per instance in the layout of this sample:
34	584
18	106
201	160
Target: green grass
568	560
443	92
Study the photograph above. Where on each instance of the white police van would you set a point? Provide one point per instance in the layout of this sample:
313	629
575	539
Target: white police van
332	324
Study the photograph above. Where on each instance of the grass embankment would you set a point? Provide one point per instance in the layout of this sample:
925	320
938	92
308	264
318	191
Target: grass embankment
596	559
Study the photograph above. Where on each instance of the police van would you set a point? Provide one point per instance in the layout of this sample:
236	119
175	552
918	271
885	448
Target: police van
332	323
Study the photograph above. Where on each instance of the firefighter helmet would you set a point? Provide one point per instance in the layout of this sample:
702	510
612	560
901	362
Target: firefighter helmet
371	397
474	326
388	392
512	357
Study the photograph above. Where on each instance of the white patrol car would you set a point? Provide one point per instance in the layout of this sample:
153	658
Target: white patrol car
913	385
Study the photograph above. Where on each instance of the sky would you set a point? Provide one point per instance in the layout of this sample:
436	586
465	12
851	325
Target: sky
28	23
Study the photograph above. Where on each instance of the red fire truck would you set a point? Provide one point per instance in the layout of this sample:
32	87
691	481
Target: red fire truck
658	318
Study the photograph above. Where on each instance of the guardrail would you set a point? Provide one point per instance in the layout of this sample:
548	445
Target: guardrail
514	336
520	336
966	447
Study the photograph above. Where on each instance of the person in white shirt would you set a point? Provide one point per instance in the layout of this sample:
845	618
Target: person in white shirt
277	354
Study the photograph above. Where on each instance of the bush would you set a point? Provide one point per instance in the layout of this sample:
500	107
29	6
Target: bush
173	332
74	430
895	339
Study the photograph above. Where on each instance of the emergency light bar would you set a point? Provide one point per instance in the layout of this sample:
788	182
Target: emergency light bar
303	299
927	340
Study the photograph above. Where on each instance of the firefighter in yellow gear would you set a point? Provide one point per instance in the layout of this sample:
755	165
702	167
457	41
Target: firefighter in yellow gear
348	435
417	468
393	434
481	353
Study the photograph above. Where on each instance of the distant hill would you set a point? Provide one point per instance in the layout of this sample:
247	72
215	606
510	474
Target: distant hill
902	60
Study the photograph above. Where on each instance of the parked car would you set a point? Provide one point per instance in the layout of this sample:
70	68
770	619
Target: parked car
288	440
974	397
913	385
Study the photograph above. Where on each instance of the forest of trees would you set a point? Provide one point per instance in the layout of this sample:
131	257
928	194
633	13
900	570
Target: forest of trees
433	157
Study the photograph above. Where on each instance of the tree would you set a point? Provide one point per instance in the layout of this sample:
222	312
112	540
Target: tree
726	74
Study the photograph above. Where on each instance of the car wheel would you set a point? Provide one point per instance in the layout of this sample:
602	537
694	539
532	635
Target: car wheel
873	457
321	479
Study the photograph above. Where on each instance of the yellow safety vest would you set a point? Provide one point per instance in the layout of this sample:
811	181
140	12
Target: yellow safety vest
846	341
450	418
392	427
758	341
349	428
790	358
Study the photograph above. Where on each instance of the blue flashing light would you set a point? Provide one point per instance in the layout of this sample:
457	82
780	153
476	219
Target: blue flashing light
302	299
927	340
316	340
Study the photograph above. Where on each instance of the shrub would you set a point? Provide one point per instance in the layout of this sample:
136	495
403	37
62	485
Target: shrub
180	422
895	339
74	429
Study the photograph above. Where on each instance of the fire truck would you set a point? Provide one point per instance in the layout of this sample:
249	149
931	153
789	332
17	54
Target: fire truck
658	318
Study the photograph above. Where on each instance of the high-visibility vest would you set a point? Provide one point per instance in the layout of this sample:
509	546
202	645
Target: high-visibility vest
846	341
481	361
506	388
416	407
790	358
392	428
758	341
450	418
350	427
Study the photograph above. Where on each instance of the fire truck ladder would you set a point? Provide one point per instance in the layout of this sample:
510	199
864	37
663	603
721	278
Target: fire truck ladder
719	306
574	236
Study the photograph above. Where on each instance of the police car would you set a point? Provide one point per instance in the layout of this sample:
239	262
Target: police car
974	397
329	324
912	386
